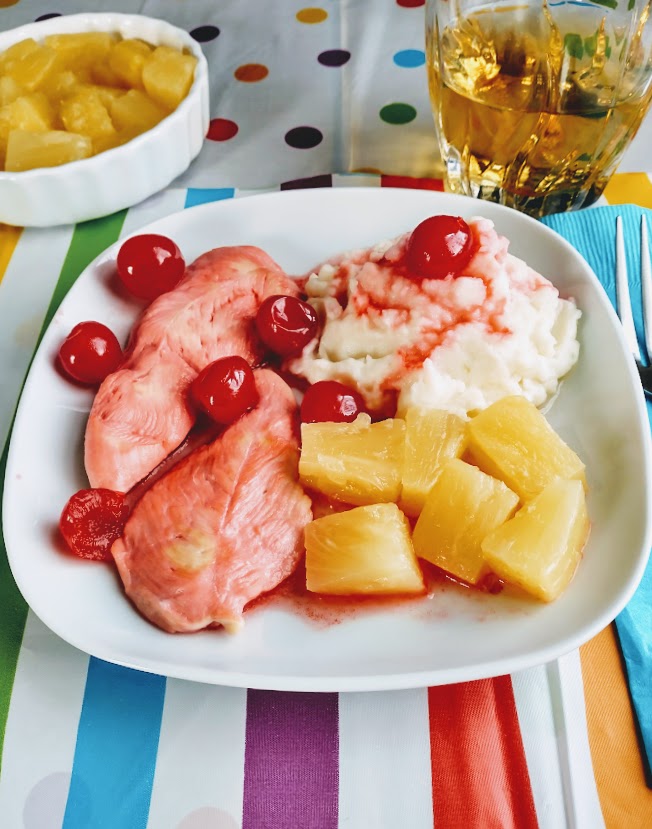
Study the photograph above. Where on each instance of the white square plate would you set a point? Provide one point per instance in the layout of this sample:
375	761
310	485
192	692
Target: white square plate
454	635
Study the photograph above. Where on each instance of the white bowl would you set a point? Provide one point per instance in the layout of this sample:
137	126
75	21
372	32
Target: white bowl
116	178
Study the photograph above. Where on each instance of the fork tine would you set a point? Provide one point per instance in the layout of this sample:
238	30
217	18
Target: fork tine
646	283
622	292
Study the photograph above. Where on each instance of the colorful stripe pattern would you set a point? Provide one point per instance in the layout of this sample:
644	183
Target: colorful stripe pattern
117	742
619	771
289	759
479	772
196	196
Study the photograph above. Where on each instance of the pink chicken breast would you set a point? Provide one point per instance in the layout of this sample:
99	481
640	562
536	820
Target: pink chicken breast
223	526
140	413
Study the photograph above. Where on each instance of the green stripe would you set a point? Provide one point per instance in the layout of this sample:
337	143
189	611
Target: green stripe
88	241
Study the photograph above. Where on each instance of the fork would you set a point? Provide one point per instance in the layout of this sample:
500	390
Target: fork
625	306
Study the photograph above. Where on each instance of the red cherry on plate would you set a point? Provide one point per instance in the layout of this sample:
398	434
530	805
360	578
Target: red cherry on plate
90	353
150	265
332	401
439	247
225	389
286	324
92	520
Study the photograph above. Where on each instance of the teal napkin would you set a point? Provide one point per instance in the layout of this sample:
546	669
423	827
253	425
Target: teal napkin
592	233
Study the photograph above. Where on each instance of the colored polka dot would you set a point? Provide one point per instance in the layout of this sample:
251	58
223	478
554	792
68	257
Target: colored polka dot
398	113
303	138
48	16
208	817
323	180
412	183
312	15
334	57
202	34
251	72
4	4
411	4
221	129
410	58
45	803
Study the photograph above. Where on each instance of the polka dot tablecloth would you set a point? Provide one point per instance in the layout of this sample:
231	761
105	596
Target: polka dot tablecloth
294	87
323	95
300	90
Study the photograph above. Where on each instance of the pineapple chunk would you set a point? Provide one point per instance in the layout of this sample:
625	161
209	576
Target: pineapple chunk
110	142
83	50
103	75
511	440
126	61
462	507
540	547
363	550
34	68
27	150
16	53
106	94
28	112
9	90
168	75
84	113
431	438
135	112
358	463
61	84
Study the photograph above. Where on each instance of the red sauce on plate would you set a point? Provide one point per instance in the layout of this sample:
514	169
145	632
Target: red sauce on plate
324	611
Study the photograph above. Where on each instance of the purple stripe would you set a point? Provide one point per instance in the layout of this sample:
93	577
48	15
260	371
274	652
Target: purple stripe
291	761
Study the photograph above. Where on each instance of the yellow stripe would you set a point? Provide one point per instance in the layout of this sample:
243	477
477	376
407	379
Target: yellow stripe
617	763
9	237
629	188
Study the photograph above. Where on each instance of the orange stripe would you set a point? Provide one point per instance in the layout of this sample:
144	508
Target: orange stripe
480	777
414	183
617	764
629	188
9	237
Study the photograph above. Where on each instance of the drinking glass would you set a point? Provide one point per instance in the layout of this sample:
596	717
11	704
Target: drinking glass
535	101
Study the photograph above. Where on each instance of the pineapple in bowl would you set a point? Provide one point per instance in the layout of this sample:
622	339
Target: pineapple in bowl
501	493
74	95
83	95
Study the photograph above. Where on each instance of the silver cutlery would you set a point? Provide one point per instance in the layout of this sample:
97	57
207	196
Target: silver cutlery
624	302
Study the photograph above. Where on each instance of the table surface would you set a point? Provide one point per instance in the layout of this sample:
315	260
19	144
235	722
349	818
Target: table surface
298	92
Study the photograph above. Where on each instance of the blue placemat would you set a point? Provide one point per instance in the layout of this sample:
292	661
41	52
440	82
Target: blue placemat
592	233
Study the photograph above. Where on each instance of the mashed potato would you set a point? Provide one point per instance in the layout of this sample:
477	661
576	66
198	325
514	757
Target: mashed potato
498	328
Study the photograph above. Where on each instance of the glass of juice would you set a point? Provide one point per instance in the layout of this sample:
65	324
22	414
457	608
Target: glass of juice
535	101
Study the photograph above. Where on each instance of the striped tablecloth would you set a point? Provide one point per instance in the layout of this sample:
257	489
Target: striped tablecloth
298	90
89	744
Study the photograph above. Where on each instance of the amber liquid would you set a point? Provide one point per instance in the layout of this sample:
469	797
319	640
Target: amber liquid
535	111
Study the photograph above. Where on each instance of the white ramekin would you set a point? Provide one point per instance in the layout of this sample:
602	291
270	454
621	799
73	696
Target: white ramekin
123	176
